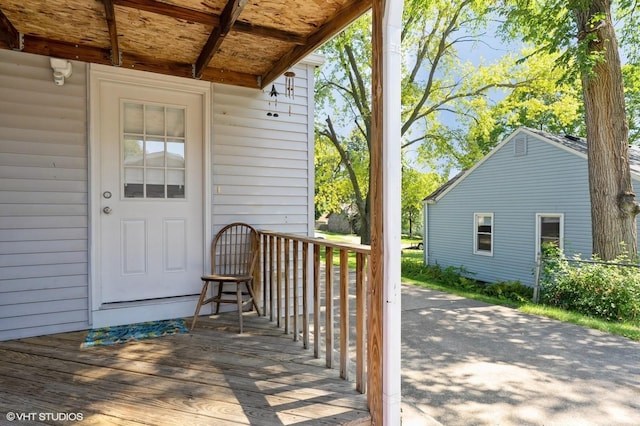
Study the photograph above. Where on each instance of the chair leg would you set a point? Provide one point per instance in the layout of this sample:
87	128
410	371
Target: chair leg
203	294
239	300
253	297
220	288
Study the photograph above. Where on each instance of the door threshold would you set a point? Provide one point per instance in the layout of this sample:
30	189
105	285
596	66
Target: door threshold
146	302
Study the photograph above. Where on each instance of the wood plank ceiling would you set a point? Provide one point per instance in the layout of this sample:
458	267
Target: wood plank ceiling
239	42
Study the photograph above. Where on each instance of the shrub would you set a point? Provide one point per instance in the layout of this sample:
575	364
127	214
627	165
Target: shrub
509	290
608	290
458	278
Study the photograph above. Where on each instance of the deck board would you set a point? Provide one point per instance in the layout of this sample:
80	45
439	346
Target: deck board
212	375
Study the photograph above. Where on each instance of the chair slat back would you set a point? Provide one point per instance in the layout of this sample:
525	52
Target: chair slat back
234	250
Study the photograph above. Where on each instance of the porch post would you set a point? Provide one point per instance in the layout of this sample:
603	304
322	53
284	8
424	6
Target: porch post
384	313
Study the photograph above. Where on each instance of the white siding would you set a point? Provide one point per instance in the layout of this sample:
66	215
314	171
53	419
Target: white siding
262	165
43	198
261	173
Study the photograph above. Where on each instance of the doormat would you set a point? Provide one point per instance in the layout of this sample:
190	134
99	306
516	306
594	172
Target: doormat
132	332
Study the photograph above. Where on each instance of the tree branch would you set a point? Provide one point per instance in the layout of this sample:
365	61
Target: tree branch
438	56
331	134
472	93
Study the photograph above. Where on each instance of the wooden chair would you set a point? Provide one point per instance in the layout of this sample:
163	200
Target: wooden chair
234	255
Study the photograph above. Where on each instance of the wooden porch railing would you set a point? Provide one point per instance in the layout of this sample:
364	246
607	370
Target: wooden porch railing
300	295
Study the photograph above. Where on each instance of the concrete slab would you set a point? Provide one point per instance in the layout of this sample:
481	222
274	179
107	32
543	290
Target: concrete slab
469	363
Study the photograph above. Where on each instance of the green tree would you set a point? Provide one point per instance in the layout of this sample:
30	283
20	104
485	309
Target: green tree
582	31
416	185
434	80
631	76
546	104
332	186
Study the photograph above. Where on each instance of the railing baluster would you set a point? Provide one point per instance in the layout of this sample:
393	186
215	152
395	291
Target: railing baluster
296	336
360	322
316	301
344	314
265	268
278	280
271	273
287	276
328	302
305	295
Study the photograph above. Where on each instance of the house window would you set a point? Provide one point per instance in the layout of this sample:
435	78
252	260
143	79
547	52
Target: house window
153	152
549	230
483	233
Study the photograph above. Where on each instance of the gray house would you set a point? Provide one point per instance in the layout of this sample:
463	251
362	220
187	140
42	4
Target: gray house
531	188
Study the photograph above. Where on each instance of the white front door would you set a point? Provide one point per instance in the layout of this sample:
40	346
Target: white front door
150	186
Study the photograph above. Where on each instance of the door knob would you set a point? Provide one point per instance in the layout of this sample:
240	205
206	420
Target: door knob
107	210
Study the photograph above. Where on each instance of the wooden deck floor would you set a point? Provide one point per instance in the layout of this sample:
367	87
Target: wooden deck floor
211	376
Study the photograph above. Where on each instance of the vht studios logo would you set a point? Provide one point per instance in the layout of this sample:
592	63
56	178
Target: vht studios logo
55	417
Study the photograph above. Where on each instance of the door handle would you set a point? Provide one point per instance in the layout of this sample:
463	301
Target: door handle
107	210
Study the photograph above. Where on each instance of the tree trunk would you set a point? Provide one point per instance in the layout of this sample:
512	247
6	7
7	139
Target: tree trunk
613	206
365	221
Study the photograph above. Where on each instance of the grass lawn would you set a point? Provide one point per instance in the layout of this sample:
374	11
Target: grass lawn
355	239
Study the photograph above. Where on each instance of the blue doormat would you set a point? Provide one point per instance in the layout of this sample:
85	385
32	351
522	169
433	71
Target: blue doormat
132	332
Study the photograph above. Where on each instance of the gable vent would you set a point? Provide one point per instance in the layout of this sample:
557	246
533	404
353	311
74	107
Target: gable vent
520	147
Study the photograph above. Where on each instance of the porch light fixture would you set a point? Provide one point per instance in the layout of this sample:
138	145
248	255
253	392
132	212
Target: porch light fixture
62	70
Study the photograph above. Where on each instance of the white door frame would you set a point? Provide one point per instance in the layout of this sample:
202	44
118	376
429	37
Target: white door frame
130	312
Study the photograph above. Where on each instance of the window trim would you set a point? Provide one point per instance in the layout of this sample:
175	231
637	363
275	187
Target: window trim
475	234
538	235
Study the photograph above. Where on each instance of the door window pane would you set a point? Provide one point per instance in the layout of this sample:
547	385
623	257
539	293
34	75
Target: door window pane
133	178
153	151
175	184
175	122
154	120
133	151
133	118
154	183
175	154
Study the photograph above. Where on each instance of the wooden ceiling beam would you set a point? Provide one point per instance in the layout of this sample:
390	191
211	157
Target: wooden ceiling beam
96	55
233	78
205	18
343	17
63	50
228	17
272	33
113	32
170	10
9	35
180	69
